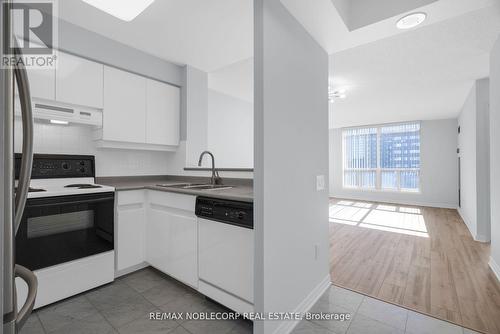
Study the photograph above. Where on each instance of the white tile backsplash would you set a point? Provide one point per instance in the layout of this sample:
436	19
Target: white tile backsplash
77	139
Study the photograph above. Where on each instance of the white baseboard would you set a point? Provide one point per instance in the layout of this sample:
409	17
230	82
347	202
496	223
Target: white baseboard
495	268
476	237
287	326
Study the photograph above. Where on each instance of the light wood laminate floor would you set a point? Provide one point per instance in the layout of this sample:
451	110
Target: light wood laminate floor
418	257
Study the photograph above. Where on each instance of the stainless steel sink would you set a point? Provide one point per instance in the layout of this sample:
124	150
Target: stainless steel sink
180	185
197	186
211	187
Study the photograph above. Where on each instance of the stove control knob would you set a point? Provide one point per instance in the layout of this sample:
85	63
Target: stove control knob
82	170
65	166
82	163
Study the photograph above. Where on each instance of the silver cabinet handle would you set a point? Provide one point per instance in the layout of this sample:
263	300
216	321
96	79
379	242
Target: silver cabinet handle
27	154
29	277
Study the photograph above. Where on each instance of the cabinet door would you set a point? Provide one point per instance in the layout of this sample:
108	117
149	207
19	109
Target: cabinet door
163	113
124	113
172	244
130	229
79	81
42	83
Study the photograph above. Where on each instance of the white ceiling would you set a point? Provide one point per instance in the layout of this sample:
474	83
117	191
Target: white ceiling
206	34
423	74
393	75
323	21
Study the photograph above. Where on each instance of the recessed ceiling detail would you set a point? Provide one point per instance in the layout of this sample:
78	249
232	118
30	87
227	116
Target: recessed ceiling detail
125	10
360	13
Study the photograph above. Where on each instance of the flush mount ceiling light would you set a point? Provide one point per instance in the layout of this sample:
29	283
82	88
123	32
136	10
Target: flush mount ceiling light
336	94
125	10
411	20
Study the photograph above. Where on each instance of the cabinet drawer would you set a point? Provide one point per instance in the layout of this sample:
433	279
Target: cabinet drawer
173	200
129	197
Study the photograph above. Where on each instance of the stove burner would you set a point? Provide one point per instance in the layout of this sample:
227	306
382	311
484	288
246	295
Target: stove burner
83	186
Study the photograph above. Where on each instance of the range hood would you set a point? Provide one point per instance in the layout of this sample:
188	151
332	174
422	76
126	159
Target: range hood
62	113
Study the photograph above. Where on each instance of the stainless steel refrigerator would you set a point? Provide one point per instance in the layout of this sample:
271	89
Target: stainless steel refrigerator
12	202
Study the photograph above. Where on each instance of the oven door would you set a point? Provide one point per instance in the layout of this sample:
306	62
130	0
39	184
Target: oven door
55	230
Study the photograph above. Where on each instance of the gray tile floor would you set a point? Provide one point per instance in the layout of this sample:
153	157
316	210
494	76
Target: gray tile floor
371	316
124	307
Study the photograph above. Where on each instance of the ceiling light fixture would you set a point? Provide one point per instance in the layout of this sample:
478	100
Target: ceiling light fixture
58	122
336	94
411	20
125	10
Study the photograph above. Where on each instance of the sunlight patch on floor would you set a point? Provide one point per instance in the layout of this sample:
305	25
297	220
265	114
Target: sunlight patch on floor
382	217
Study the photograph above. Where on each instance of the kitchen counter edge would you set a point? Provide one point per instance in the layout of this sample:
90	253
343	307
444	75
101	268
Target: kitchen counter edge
242	188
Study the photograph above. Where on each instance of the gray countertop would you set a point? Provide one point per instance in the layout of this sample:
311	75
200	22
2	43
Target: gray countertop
242	188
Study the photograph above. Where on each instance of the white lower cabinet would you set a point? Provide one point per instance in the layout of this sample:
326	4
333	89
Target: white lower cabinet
161	229
172	236
130	227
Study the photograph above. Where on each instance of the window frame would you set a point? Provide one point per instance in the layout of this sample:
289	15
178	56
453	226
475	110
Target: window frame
379	170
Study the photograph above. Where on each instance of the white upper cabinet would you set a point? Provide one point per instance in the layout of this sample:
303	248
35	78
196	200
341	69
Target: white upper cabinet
162	113
124	114
42	83
79	81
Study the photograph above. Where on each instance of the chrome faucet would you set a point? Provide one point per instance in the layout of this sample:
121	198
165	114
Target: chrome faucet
215	179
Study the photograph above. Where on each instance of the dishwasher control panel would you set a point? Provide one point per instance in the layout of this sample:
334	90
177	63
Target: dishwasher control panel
225	211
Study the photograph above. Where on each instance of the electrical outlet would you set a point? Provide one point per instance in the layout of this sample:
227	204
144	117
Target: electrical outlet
320	182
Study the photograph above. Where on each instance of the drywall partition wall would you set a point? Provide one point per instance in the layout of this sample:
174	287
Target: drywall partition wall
473	143
439	169
230	130
291	149
468	162
495	157
483	199
196	115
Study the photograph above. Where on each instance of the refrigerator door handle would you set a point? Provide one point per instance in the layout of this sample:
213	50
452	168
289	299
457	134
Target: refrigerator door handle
27	153
29	277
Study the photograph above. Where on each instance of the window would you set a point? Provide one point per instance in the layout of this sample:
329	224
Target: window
385	157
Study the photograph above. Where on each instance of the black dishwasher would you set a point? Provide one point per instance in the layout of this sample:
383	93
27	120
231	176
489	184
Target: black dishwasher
225	211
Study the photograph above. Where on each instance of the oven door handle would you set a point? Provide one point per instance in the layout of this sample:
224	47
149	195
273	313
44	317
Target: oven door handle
27	152
30	278
87	201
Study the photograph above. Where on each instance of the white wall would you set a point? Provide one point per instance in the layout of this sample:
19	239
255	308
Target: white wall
473	142
230	130
177	161
495	157
196	86
483	232
291	149
467	145
438	170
